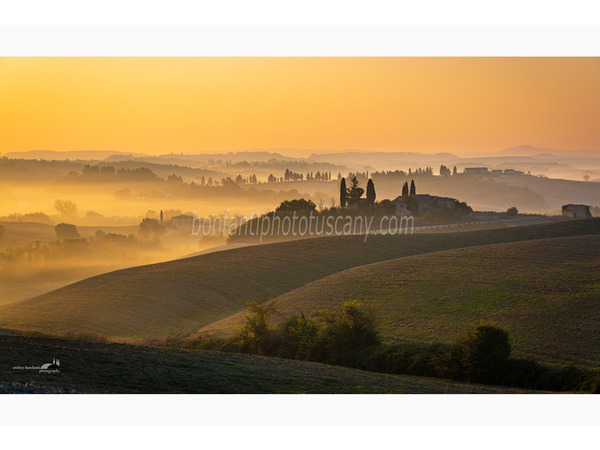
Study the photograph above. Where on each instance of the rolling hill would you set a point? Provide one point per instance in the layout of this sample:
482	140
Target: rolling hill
118	368
545	292
185	295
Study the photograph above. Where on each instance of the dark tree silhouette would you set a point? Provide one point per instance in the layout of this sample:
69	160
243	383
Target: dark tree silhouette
151	226
354	191
298	205
454	171
413	189
343	194
405	189
444	171
371	192
66	231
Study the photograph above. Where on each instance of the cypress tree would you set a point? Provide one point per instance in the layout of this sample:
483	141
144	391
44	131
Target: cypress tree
413	190
343	193
405	189
370	192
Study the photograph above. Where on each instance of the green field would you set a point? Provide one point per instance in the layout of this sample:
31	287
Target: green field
119	368
545	292
188	294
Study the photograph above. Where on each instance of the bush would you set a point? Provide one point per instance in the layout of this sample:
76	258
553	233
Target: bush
151	226
66	231
298	336
301	205
480	355
512	211
255	336
355	328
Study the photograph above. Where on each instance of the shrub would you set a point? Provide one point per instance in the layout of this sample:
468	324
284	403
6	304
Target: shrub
66	231
512	211
298	336
480	355
255	336
151	226
355	328
301	205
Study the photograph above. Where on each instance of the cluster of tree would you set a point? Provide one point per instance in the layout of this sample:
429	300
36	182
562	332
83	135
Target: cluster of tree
445	171
70	247
319	225
109	172
325	176
247	180
350	196
310	176
325	336
388	173
204	182
36	217
426	171
301	206
273	179
174	178
292	176
92	171
351	337
149	227
406	191
226	180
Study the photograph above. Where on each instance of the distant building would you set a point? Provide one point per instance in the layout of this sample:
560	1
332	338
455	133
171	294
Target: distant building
513	172
496	172
576	211
182	222
475	170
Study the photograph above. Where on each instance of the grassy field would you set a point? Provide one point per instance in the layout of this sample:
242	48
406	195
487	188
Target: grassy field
188	294
120	368
545	292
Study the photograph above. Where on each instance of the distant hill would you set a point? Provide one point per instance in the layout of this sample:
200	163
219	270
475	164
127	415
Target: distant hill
357	159
188	294
76	154
528	150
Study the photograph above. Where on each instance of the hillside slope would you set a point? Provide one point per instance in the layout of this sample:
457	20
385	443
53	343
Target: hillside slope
118	368
545	292
185	295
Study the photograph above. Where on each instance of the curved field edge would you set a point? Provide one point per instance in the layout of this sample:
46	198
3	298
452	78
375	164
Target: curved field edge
121	368
545	292
185	295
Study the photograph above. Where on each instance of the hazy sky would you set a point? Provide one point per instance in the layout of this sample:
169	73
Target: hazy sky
163	105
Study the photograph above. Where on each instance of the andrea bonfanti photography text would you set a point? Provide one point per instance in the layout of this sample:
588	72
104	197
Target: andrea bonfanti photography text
53	367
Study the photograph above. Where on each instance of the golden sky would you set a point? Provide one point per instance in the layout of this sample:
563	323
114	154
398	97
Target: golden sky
194	105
